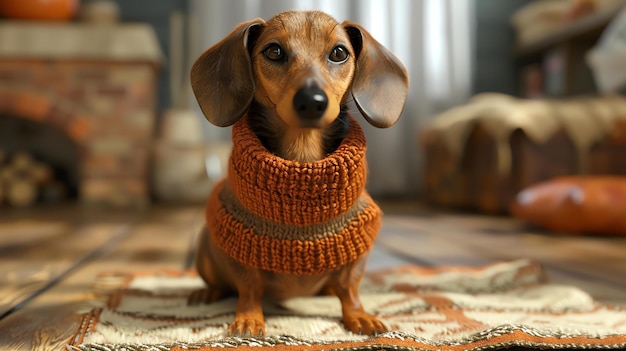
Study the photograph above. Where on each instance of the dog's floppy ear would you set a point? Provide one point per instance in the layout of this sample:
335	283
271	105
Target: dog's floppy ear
381	83
221	78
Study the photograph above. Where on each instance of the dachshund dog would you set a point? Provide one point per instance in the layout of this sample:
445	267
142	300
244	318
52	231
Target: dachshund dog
292	78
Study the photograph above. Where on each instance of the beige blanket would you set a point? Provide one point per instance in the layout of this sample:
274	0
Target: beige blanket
585	120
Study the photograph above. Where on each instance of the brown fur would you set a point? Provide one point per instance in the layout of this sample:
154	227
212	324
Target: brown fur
235	77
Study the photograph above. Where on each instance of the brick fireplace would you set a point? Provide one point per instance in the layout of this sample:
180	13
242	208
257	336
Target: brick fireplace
97	85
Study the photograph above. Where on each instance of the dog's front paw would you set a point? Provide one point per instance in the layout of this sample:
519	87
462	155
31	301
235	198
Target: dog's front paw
364	324
247	327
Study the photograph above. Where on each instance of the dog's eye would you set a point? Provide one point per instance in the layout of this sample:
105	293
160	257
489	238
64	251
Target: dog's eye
339	54
274	52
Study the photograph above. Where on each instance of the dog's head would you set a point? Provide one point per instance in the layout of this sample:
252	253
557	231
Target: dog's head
304	65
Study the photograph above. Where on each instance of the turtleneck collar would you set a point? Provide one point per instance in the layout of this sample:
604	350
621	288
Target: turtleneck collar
296	193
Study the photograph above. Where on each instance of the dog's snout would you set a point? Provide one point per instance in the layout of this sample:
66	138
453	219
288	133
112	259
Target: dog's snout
310	103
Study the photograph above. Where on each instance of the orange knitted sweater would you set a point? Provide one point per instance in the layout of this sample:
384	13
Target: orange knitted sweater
287	217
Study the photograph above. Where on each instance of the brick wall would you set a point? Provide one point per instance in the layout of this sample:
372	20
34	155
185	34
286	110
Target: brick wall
106	108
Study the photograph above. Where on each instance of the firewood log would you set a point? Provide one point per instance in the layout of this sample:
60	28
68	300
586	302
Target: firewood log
41	173
7	174
21	193
23	161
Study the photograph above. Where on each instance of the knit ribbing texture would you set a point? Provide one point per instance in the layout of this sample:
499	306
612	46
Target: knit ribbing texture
288	217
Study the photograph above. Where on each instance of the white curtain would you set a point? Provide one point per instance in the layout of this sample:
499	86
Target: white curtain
432	37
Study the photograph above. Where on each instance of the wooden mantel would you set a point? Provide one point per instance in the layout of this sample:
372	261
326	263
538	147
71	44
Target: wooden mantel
120	42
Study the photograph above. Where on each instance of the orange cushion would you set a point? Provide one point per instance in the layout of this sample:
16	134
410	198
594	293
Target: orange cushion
575	204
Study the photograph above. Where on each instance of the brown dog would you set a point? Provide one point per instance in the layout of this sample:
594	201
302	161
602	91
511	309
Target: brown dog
284	84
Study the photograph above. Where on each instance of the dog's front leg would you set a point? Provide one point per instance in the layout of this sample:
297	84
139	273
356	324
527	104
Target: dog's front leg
249	319
345	284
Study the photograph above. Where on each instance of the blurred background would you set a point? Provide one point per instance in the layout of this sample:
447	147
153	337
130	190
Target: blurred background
96	108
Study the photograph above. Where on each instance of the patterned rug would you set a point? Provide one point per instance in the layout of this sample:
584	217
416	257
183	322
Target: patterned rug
502	305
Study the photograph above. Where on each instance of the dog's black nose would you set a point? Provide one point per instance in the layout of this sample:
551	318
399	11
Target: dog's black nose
310	103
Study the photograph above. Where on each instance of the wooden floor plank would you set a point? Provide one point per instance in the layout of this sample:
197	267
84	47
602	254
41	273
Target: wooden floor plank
465	240
30	266
600	258
162	240
413	239
20	233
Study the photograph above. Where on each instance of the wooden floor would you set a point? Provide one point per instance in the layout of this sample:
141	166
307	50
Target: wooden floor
49	257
